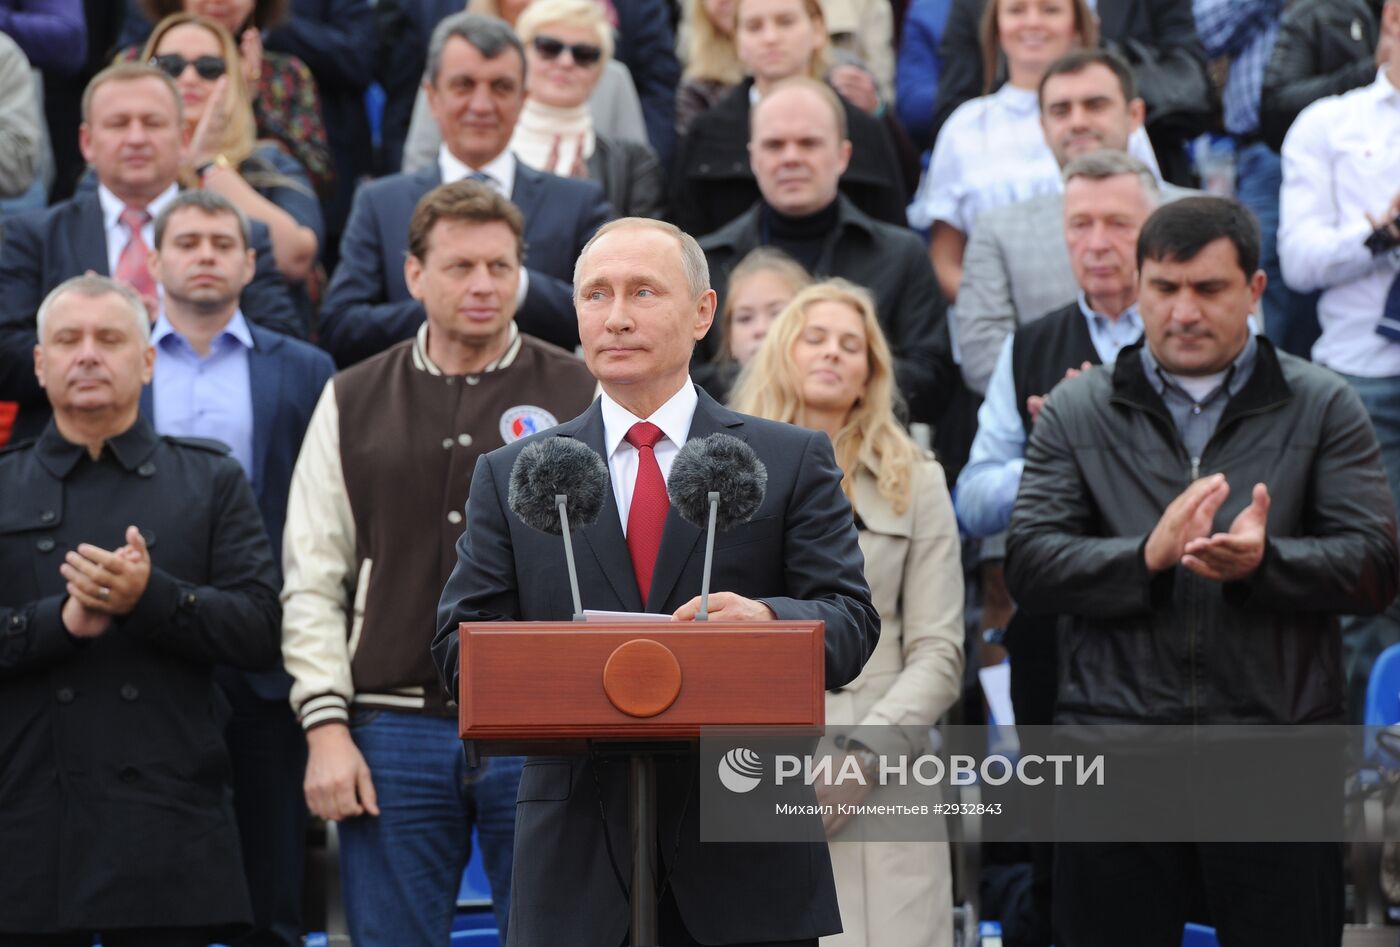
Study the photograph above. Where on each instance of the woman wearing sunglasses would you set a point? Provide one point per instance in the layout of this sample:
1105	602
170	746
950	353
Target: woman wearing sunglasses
615	105
222	151
567	42
286	105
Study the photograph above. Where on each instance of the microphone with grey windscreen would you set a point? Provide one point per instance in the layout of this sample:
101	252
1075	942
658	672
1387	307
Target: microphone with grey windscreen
716	482
558	483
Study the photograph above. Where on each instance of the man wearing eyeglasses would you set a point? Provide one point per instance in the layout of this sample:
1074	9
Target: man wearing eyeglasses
131	137
475	83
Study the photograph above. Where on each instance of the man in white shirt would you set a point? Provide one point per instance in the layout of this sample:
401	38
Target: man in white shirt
1341	175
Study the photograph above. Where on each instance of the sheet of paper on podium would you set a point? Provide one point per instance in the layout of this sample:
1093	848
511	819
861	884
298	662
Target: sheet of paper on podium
591	614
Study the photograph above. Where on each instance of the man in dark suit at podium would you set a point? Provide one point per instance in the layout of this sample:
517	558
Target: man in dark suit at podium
641	290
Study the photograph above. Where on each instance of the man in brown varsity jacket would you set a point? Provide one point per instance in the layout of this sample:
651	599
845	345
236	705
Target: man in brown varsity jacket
375	511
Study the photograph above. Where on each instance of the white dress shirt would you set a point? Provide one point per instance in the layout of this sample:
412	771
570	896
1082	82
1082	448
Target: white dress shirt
500	169
118	234
1341	161
673	418
992	152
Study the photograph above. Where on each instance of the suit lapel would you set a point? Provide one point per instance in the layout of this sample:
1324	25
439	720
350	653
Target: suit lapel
525	194
91	238
680	540
604	539
265	382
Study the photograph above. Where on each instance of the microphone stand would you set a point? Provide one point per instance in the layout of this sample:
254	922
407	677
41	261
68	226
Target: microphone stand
704	614
561	501
641	792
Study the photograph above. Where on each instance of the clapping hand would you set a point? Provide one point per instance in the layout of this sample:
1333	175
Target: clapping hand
109	583
1035	402
1232	556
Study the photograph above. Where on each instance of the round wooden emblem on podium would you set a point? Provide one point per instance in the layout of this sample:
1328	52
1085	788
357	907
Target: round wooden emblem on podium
642	677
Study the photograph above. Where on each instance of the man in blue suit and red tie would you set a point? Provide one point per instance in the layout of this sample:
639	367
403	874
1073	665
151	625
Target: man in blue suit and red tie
642	294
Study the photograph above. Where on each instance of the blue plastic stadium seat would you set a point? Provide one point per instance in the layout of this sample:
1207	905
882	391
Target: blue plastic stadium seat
475	890
1198	935
1383	698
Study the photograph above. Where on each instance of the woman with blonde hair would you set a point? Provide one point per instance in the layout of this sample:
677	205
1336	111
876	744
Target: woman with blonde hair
568	43
705	43
223	153
286	103
760	286
826	365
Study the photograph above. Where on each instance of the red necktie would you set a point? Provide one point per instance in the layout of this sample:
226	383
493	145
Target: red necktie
646	519
131	265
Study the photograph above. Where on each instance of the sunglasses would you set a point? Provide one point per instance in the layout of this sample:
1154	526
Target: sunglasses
173	64
584	54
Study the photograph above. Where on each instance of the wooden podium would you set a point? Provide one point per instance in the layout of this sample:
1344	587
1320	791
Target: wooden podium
561	687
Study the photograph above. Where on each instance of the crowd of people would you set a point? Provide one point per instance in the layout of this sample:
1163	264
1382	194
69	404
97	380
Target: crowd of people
285	284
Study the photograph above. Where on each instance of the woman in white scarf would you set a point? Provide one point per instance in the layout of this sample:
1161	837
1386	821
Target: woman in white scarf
567	45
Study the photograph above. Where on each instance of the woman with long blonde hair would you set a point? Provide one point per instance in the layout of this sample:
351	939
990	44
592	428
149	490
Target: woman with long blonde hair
760	286
223	150
286	103
709	56
825	365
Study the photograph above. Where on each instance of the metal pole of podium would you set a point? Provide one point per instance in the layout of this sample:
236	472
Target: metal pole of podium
642	793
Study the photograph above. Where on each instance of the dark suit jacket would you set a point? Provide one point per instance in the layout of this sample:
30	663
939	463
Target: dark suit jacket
404	27
368	308
799	554
286	377
46	247
647	47
336	39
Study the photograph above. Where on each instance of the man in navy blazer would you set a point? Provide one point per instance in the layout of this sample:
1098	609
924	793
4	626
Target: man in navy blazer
475	82
219	376
643	299
646	45
131	137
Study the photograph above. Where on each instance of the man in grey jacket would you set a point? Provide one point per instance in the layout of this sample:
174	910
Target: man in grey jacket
1202	512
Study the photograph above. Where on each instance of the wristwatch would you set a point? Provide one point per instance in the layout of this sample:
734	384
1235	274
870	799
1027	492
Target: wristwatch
994	636
218	161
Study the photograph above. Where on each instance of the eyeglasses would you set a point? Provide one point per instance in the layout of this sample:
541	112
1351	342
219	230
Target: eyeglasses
584	54
173	64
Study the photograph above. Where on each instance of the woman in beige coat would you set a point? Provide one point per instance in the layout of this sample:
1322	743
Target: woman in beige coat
825	365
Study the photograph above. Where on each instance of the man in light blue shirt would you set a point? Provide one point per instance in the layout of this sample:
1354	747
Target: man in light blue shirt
219	376
1108	195
201	386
